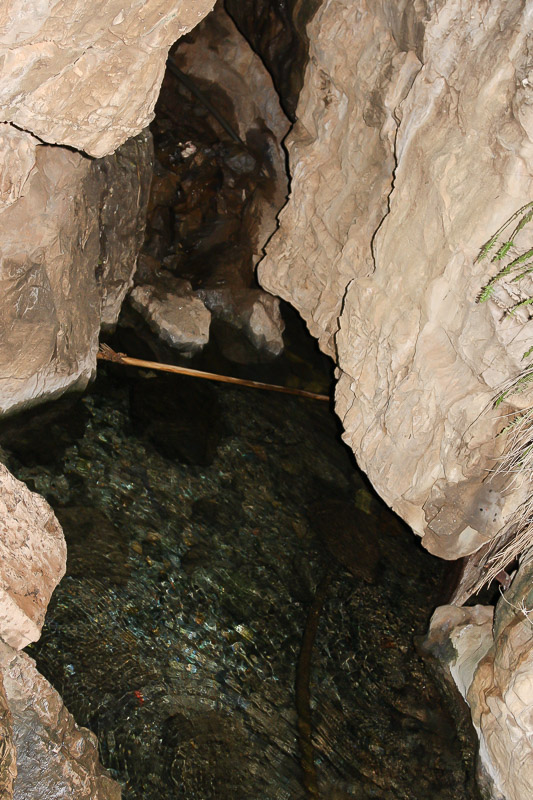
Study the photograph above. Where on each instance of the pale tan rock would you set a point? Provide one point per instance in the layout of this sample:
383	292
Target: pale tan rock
17	156
413	145
55	758
87	75
8	756
501	692
66	261
491	663
32	557
469	632
265	324
178	318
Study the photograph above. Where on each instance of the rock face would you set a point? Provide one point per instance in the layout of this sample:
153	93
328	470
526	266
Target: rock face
41	749
33	556
218	187
66	260
277	32
491	662
412	146
55	758
88	75
8	756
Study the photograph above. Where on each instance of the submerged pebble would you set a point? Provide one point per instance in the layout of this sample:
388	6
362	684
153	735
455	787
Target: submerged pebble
175	635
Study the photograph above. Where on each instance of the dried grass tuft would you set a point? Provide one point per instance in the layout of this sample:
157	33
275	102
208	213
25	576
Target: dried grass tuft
517	465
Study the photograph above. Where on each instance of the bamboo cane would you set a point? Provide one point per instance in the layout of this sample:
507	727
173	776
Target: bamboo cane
107	354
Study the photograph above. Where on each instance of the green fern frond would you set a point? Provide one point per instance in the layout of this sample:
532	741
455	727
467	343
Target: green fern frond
527	302
521	258
487	247
521	263
523	274
503	250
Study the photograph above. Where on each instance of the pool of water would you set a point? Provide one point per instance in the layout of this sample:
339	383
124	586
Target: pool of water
200	519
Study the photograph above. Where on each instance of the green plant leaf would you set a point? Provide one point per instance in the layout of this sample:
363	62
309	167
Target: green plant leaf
527	302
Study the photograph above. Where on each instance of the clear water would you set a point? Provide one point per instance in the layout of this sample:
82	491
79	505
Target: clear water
176	633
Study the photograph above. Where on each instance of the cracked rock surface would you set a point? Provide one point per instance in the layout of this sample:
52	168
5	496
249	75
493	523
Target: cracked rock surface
55	757
413	145
33	557
87	75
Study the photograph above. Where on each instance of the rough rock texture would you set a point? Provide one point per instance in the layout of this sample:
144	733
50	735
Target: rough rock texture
8	756
219	182
491	662
125	180
55	758
33	557
179	318
65	261
413	145
218	54
277	32
87	74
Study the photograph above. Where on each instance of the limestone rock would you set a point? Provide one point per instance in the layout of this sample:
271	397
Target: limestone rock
501	693
461	637
491	662
220	55
55	758
217	55
413	145
33	557
125	180
277	33
177	316
8	756
17	153
65	262
87	75
249	310
265	325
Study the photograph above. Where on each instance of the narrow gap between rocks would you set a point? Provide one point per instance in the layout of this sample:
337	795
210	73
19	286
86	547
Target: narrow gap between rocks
202	519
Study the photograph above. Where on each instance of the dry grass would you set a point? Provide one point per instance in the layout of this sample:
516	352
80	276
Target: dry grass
516	464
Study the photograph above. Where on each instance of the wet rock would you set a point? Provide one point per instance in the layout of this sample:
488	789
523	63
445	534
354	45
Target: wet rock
55	758
179	416
177	315
32	554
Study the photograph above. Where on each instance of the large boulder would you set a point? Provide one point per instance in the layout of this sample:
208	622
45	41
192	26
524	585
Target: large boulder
70	228
87	75
33	559
55	757
489	656
413	145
